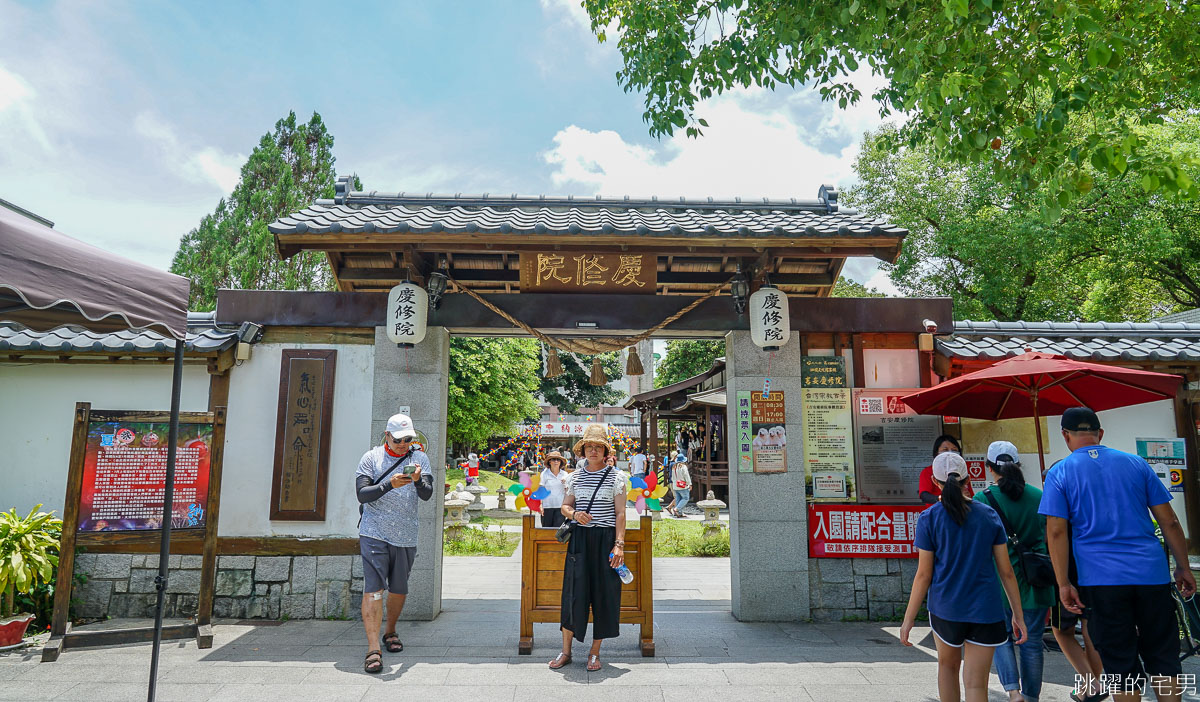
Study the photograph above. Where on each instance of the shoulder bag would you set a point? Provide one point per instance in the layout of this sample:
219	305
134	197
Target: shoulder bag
1036	567
563	535
386	474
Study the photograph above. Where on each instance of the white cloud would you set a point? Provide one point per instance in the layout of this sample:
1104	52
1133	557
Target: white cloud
198	165
16	110
745	152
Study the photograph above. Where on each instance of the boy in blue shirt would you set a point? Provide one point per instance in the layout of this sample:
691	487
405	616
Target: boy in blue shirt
1106	496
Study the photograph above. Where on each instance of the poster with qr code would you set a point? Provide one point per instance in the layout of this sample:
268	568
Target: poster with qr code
893	444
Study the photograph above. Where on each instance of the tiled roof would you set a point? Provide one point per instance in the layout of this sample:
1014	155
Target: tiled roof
1187	316
1084	341
369	212
202	338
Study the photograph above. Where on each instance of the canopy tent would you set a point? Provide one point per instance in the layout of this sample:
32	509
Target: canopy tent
48	280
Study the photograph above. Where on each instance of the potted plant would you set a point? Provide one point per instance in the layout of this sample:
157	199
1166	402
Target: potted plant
28	557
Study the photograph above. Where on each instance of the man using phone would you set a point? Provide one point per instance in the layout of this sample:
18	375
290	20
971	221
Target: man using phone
389	480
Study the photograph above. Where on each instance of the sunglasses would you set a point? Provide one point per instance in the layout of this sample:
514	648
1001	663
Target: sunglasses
405	440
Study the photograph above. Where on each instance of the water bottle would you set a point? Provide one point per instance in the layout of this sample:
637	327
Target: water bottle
624	573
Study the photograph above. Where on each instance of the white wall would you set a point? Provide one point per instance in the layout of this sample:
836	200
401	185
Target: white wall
37	410
250	443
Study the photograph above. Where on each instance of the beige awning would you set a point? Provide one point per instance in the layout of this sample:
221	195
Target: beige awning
48	279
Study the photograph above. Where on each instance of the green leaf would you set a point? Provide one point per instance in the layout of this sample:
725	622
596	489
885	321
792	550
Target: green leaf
1098	54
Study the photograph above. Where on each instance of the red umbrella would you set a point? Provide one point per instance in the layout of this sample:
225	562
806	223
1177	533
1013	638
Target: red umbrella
1036	384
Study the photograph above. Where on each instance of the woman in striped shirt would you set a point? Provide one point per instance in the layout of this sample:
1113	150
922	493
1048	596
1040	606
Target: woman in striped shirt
596	502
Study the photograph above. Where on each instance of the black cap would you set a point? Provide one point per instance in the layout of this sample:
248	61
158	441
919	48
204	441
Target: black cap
1080	419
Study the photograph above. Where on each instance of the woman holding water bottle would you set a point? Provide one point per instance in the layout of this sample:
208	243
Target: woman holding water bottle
595	562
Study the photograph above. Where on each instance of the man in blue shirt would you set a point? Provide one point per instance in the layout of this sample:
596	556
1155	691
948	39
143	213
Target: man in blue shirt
1107	496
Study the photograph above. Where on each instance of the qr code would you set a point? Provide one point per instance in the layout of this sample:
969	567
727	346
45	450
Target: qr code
870	405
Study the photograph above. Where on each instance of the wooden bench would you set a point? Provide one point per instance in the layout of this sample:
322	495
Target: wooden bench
541	581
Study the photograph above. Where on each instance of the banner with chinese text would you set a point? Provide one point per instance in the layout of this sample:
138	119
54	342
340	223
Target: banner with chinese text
124	476
566	428
862	531
828	429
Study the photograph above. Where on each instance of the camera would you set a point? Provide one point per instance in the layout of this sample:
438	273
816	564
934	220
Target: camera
930	326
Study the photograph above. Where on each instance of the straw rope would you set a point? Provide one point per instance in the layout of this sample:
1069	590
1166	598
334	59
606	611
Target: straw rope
590	346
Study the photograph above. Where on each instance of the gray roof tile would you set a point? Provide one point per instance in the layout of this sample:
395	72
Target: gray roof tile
1084	341
426	213
202	337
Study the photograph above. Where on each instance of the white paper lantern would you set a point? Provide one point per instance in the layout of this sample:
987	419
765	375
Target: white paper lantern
407	312
770	327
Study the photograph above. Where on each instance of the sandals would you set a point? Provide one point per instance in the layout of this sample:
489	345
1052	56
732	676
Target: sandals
392	643
593	663
559	661
373	662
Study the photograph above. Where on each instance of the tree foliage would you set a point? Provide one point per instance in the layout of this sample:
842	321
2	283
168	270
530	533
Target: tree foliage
844	287
491	387
1115	253
573	389
290	168
993	81
686	358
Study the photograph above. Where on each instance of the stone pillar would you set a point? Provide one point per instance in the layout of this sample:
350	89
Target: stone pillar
419	382
768	516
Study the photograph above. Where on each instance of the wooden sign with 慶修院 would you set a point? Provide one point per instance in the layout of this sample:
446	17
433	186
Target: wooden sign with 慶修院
588	272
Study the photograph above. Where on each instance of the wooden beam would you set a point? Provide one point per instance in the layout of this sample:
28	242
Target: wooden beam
618	314
505	275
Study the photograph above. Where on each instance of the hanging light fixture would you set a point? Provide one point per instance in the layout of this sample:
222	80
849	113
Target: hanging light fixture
770	327
407	314
437	286
739	289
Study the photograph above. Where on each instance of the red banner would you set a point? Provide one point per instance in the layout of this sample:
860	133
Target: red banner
862	531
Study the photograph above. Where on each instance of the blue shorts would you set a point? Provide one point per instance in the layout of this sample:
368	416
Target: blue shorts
385	566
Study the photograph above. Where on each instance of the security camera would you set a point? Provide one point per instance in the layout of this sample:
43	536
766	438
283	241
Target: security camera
930	326
250	333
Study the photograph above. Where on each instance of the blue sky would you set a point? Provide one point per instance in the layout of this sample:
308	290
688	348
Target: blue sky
125	123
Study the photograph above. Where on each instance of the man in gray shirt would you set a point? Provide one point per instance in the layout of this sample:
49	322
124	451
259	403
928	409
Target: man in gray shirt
389	480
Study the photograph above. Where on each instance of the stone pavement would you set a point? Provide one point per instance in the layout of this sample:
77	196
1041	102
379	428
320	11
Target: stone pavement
470	653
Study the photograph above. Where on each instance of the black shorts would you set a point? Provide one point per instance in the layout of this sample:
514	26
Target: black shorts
956	633
1134	629
1062	618
385	565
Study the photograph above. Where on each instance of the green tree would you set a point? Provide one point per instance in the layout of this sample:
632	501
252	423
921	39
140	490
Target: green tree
491	388
1112	254
573	389
993	81
290	168
686	358
844	287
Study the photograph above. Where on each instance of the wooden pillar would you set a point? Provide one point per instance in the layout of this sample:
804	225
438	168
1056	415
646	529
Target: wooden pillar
860	366
653	445
708	457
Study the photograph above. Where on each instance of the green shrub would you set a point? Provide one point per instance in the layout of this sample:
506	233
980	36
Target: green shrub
683	538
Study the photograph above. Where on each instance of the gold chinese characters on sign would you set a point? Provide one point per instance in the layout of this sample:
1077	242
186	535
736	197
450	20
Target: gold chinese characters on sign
589	273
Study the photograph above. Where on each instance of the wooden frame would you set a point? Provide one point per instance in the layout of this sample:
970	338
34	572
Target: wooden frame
324	411
542	559
61	636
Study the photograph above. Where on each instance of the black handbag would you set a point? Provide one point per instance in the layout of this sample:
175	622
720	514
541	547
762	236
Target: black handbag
563	534
1037	568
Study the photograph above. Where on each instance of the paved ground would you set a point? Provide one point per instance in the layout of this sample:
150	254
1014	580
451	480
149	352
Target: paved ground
470	653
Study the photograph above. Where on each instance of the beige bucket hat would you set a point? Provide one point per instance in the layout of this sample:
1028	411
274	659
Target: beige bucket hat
594	434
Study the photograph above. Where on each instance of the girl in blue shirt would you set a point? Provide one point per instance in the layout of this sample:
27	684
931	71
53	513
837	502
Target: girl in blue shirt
961	545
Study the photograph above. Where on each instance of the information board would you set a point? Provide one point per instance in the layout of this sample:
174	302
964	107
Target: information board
894	444
302	434
828	429
124	476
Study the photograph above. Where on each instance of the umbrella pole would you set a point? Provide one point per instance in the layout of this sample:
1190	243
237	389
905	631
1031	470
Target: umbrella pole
164	549
1037	431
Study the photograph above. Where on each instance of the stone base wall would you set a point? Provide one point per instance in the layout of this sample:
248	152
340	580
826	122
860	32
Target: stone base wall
247	587
849	589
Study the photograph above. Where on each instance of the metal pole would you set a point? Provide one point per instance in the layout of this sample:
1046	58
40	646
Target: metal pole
164	548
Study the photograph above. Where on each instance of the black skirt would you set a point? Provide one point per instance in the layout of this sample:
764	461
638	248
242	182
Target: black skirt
552	517
591	585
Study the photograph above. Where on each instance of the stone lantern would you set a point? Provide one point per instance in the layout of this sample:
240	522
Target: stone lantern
501	496
456	518
477	492
712	523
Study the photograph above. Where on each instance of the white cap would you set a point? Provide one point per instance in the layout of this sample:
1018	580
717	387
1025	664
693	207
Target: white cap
400	426
1002	448
946	463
